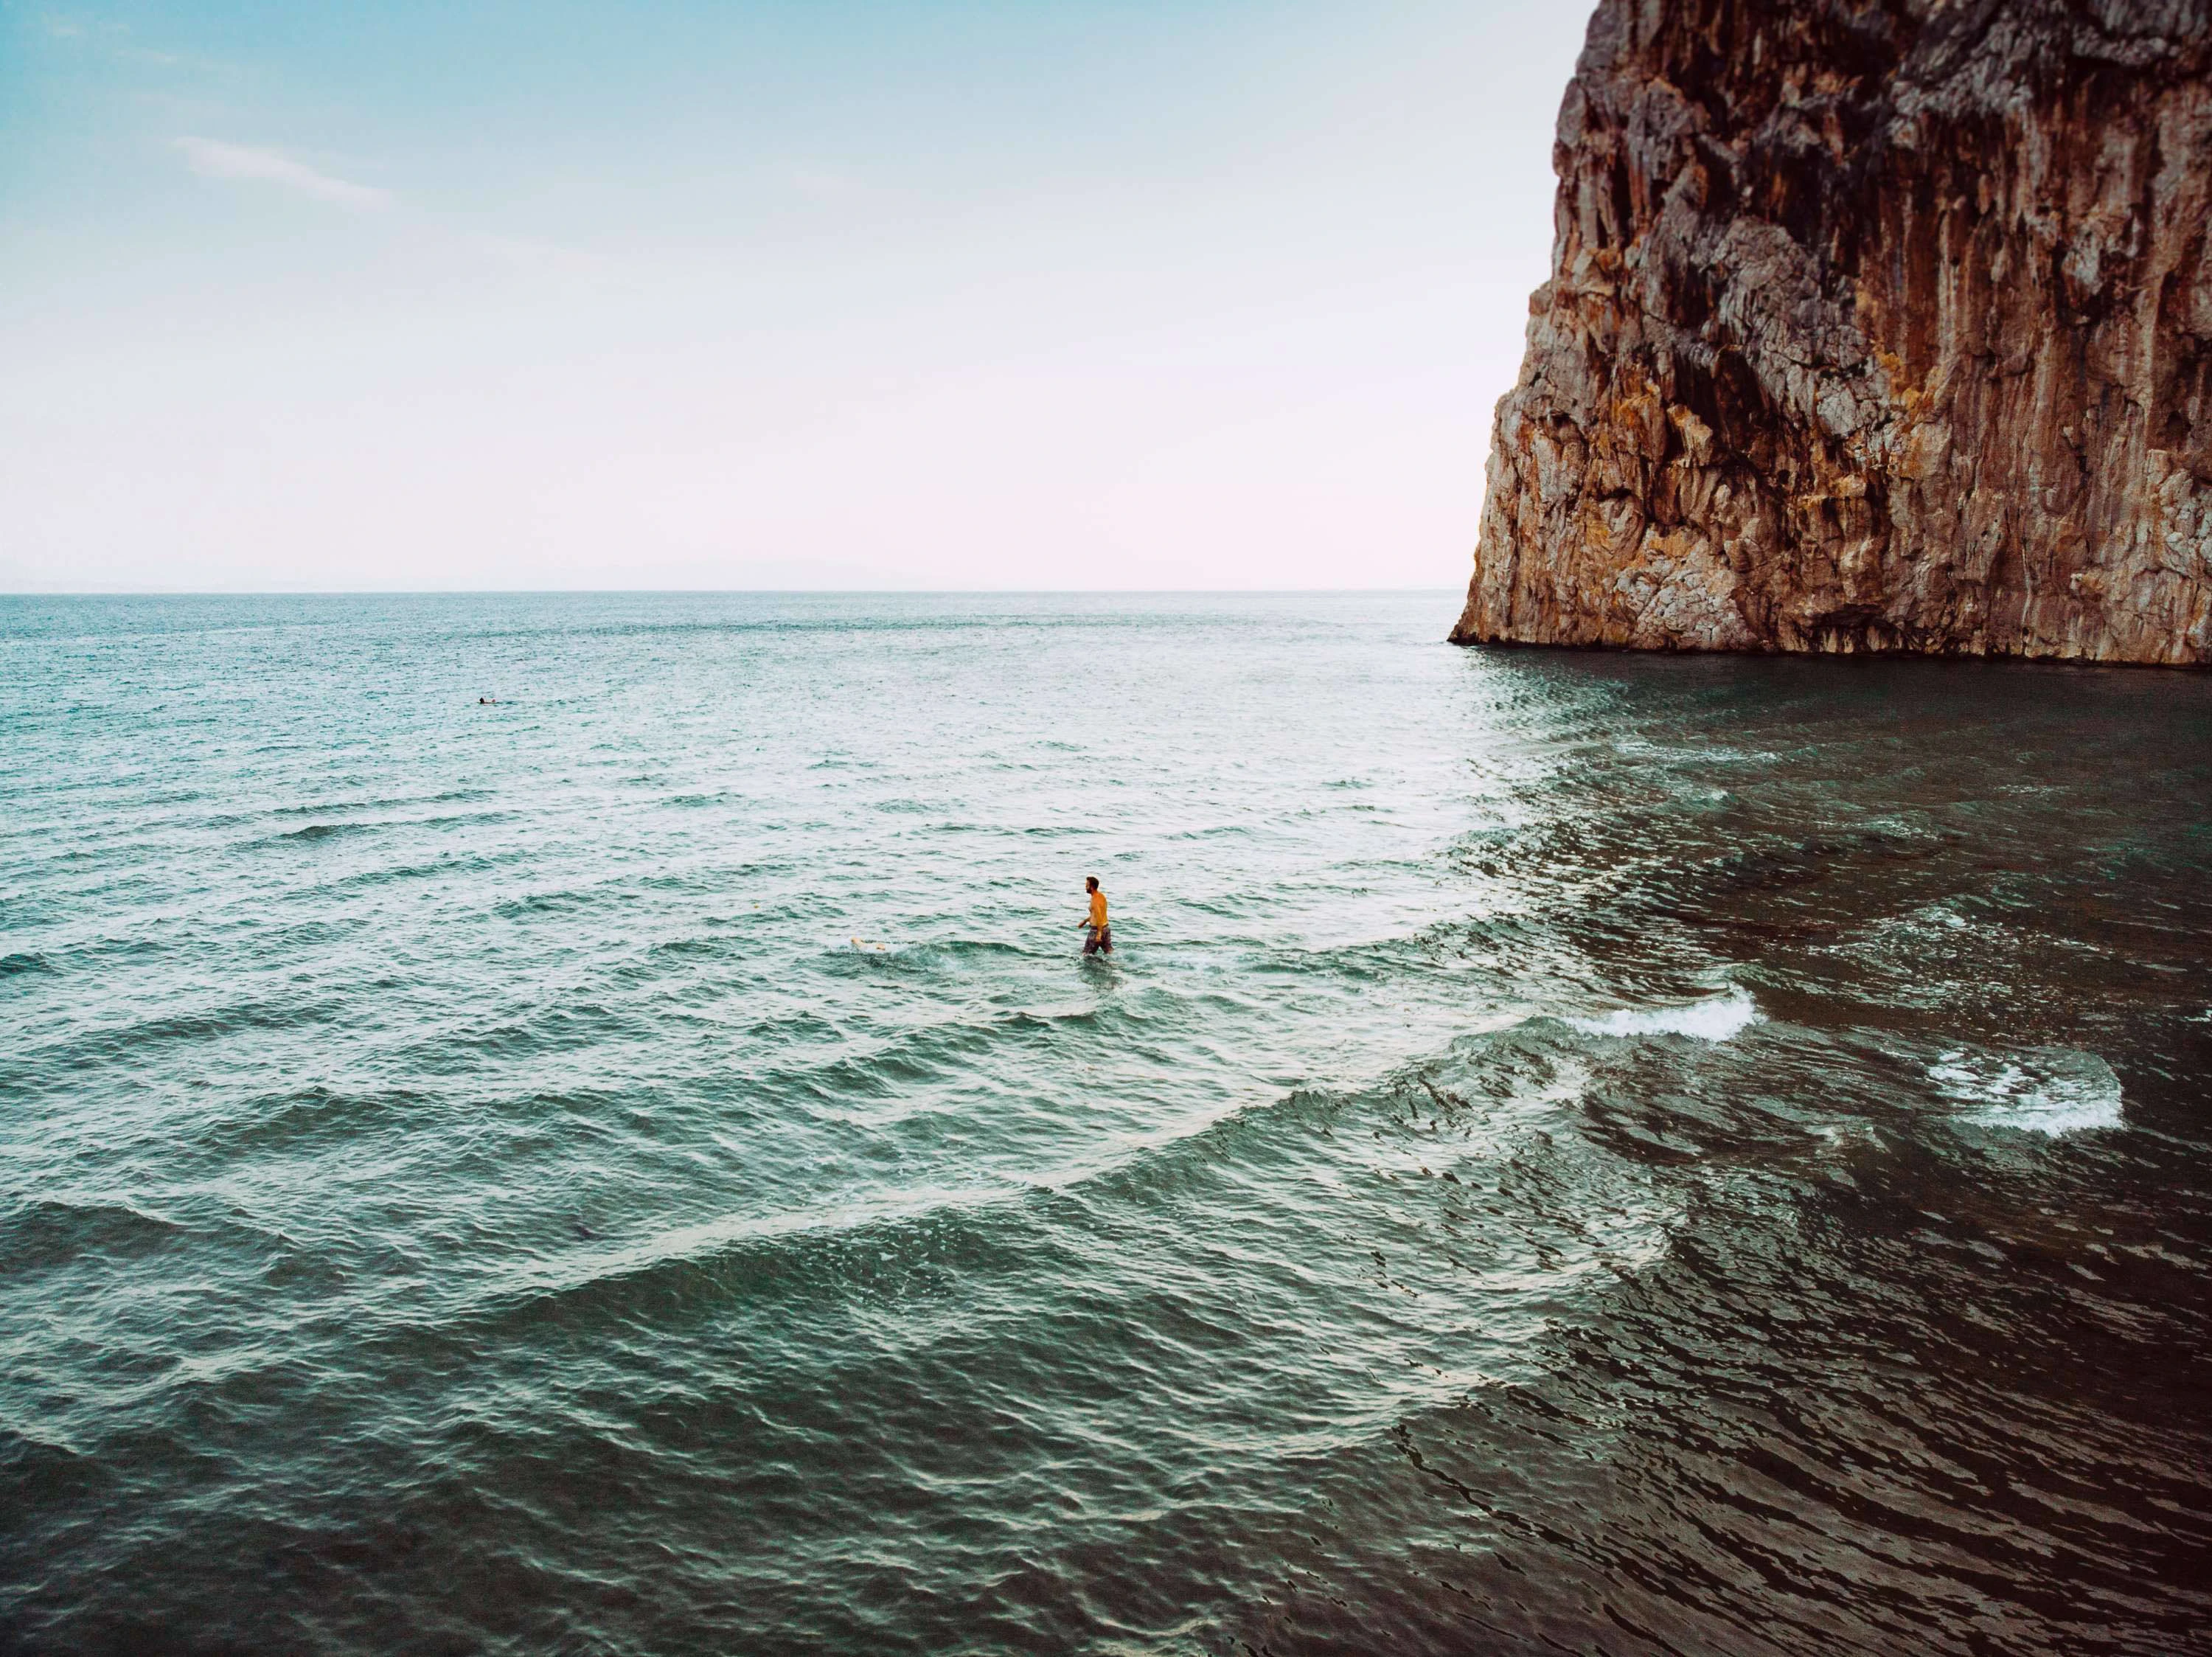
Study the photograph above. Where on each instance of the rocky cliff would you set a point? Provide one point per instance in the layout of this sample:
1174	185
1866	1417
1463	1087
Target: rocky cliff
1873	325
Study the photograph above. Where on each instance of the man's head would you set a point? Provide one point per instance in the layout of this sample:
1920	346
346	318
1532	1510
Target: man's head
1091	883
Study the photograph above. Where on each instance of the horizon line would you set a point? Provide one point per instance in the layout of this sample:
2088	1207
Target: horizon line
684	592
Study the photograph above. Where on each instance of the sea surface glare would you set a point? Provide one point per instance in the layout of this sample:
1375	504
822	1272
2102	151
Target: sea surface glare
1572	1154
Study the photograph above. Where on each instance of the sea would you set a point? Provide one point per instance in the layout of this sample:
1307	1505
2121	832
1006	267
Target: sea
581	1124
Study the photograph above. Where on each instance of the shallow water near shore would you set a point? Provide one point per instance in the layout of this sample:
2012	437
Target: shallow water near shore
1571	1152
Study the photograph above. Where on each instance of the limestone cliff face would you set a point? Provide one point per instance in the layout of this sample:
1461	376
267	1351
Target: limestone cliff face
1873	325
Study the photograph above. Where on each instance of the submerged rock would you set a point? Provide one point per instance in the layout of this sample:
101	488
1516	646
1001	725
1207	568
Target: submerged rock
1873	325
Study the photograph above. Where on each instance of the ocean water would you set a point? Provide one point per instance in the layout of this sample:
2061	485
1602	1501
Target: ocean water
1571	1152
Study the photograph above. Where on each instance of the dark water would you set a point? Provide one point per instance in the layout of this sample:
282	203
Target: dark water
1572	1154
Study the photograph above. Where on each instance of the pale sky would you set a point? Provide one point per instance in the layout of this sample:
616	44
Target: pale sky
855	293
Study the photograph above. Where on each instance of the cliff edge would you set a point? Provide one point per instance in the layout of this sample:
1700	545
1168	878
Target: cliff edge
1872	325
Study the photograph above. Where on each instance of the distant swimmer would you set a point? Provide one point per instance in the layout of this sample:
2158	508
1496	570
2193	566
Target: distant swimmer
486	702
1100	940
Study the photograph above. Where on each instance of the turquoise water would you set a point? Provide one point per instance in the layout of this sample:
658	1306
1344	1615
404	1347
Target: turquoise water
1571	1152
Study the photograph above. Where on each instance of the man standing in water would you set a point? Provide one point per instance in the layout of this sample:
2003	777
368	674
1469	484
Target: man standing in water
1100	940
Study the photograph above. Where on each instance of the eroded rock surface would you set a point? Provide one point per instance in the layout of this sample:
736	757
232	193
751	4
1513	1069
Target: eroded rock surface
1883	326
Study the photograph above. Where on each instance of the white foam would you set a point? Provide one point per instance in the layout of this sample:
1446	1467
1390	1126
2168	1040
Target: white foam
2047	1090
1707	1020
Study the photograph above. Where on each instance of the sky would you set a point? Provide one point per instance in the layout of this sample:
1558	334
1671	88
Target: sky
1061	294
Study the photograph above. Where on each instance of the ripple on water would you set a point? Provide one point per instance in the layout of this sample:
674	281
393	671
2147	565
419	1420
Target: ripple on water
685	1194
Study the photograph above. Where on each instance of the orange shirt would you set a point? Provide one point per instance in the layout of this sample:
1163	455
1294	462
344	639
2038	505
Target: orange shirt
1098	909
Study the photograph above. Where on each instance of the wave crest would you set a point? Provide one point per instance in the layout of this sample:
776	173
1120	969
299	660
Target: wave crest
1717	1019
2046	1090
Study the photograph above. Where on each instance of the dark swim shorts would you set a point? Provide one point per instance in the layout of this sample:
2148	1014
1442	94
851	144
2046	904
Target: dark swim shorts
1100	942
